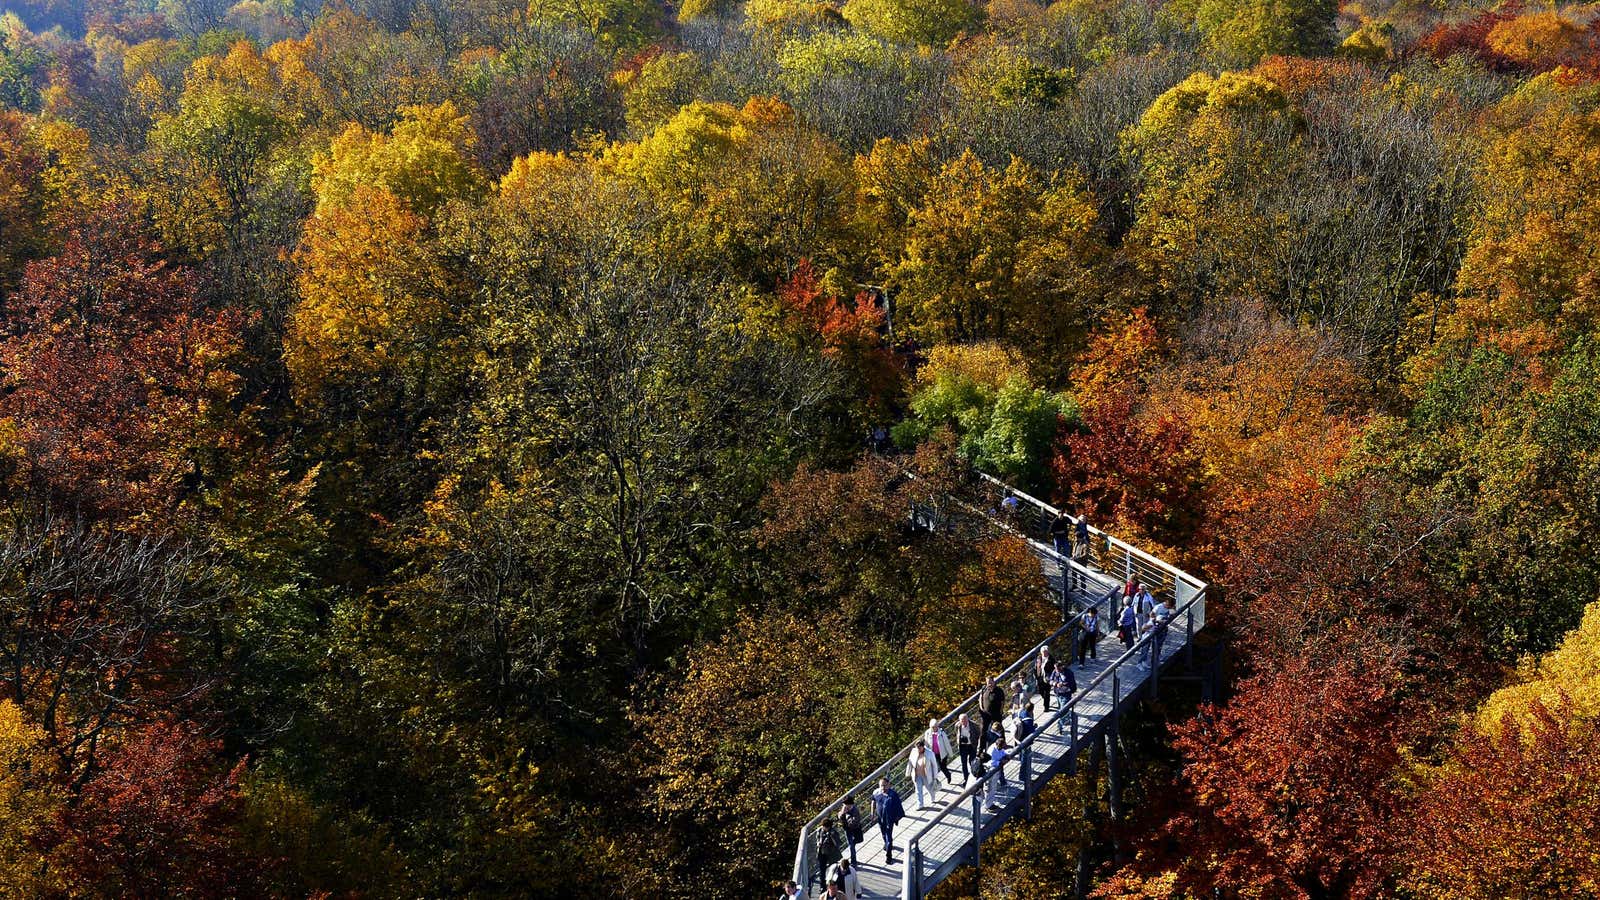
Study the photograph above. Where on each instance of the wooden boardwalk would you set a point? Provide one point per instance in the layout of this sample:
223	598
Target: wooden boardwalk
934	840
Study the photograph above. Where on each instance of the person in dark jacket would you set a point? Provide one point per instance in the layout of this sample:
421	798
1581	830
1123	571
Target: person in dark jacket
850	820
828	851
991	706
887	807
1061	534
969	740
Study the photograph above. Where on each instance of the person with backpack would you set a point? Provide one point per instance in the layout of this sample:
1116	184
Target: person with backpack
850	821
1089	634
828	851
1062	683
1127	622
843	874
887	807
1024	724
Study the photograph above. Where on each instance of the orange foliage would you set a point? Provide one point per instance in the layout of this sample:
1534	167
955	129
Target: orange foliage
116	373
849	333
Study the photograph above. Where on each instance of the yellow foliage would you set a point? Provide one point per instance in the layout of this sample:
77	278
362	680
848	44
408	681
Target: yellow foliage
1572	669
1530	269
364	288
1534	37
987	363
28	800
425	161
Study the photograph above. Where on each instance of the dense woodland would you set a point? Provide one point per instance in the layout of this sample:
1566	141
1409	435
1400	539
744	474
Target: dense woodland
432	433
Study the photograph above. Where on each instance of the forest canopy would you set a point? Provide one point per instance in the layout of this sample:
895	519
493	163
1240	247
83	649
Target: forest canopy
464	447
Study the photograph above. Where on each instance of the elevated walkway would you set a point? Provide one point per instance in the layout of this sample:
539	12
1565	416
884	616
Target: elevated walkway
932	843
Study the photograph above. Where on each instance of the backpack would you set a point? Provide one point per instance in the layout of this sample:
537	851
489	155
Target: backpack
828	846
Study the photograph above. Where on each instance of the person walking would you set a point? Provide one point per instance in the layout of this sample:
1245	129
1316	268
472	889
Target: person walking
997	759
1041	674
889	810
1024	724
1127	622
829	851
939	748
1062	683
1080	547
844	875
790	891
969	739
1061	534
1158	633
920	770
1089	625
991	707
1143	601
1019	694
850	821
1147	625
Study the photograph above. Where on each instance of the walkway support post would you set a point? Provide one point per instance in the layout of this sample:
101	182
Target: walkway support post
977	832
1113	769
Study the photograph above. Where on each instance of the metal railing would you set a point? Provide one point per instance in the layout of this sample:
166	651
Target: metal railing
1108	555
1096	585
894	769
916	874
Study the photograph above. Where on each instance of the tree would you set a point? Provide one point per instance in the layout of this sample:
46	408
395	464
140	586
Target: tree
1241	32
1505	811
1291	781
1509	814
160	818
1000	256
931	22
1131	471
759	724
117	385
30	800
1005	424
104	633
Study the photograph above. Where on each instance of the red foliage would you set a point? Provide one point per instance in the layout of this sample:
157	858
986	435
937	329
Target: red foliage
1290	786
850	333
114	372
1507	814
160	821
1472	38
1131	473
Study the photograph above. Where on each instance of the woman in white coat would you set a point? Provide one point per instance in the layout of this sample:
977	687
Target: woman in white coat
919	768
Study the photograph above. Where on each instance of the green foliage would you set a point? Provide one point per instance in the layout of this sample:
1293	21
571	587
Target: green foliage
1004	422
927	22
1241	32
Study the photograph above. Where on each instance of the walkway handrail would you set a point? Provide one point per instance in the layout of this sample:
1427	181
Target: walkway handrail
891	768
1128	551
912	869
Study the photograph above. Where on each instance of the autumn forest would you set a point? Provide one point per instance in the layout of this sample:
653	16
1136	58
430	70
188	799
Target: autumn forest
434	434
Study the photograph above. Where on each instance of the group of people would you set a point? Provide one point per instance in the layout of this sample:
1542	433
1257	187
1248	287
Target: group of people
978	746
1143	615
983	745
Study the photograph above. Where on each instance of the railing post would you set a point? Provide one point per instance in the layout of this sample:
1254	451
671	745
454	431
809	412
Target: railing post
1027	782
1188	629
977	831
1116	697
